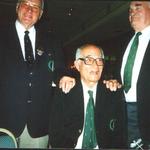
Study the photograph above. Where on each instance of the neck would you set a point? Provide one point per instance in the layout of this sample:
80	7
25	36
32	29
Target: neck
90	84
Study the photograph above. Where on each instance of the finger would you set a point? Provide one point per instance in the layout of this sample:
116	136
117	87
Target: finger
67	86
109	84
73	82
104	81
62	86
119	86
113	88
61	82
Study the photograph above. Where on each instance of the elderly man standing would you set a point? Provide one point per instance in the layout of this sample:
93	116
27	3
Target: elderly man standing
135	75
29	62
136	78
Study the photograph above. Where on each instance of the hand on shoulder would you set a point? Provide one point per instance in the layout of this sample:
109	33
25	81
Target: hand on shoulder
66	83
112	84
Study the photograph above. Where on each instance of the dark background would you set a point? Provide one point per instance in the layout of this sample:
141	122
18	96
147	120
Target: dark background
75	22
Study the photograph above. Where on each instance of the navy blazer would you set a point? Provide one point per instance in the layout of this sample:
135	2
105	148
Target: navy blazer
143	94
26	92
66	124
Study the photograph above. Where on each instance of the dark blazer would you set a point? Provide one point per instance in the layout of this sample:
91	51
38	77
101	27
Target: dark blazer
143	94
26	91
143	97
68	118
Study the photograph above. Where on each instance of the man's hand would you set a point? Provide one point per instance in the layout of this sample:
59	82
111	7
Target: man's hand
113	85
66	83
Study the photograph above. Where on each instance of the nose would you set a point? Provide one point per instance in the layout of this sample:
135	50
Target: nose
29	8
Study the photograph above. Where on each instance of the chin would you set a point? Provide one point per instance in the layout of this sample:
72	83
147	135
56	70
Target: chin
95	79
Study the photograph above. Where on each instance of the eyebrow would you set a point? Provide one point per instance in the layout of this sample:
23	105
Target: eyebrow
138	4
135	5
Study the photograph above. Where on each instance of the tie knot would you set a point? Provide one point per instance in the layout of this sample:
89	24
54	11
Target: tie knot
138	34
90	93
26	32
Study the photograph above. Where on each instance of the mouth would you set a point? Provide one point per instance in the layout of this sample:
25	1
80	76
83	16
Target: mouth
28	17
94	73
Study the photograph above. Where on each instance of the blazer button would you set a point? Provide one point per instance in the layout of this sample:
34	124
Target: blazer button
31	73
80	130
30	84
29	101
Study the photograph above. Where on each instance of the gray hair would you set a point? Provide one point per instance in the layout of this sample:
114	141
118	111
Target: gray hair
42	3
78	51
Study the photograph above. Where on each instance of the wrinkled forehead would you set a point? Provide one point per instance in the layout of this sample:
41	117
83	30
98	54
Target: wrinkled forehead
141	3
91	51
136	4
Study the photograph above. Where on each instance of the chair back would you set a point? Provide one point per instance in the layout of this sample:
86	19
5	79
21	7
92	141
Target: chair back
7	139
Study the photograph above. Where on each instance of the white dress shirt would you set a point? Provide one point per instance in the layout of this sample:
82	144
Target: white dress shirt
20	31
86	99
131	96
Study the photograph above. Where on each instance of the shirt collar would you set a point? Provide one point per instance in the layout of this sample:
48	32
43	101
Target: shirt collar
86	88
146	31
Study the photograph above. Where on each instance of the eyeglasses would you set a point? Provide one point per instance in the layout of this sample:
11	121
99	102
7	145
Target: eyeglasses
25	4
91	60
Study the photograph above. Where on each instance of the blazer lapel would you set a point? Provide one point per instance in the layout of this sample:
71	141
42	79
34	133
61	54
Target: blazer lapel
78	99
14	44
99	95
40	48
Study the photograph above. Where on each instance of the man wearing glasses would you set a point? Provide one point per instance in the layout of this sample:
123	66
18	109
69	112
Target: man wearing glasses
89	116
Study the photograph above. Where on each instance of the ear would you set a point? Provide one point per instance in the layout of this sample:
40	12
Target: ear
41	13
17	7
77	64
